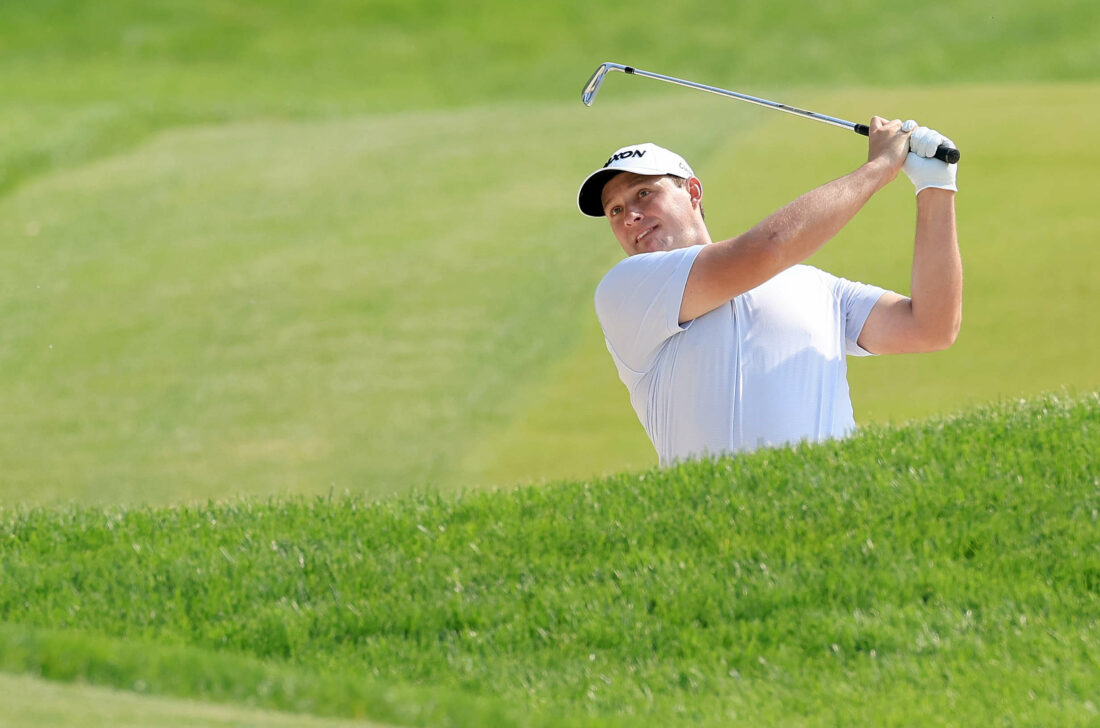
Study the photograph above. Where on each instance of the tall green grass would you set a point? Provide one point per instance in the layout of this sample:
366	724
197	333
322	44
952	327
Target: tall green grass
946	569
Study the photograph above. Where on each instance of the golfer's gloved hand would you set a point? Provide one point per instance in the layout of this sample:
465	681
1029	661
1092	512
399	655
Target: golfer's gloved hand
922	169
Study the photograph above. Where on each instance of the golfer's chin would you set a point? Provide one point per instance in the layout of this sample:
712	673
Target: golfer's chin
653	244
637	247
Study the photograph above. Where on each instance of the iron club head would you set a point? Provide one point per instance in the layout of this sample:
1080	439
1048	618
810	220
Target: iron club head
593	86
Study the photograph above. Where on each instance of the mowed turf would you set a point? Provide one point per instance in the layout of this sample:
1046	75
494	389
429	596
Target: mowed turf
285	306
377	303
946	571
36	703
235	262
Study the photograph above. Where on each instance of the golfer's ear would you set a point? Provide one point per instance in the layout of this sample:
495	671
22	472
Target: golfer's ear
695	189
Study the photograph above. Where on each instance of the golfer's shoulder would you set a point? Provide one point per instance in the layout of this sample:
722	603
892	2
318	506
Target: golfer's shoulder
645	270
657	263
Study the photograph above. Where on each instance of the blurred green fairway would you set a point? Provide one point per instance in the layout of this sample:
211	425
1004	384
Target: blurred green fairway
261	248
33	703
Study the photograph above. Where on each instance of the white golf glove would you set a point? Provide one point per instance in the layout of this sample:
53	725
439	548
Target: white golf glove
922	169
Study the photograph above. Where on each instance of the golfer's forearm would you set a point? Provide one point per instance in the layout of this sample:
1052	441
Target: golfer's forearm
936	288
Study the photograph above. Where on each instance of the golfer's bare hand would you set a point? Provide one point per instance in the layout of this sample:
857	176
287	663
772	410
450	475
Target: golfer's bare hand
887	146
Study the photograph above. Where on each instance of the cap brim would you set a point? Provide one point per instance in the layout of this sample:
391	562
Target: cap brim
590	195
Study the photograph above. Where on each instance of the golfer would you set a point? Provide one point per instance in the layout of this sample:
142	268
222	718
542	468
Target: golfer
733	345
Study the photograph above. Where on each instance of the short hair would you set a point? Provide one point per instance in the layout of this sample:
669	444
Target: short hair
680	182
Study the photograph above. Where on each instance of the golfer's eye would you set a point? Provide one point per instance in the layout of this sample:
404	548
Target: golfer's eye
643	193
612	212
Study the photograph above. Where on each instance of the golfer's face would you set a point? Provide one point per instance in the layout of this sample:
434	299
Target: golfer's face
648	213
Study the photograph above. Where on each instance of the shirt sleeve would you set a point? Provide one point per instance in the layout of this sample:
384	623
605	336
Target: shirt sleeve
638	303
856	301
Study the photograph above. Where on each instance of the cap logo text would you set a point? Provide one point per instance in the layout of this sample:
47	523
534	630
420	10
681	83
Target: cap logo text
639	153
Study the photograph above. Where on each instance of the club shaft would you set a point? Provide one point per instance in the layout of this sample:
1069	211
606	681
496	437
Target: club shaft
743	97
944	153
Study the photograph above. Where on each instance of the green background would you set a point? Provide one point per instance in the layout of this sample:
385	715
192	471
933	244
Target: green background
251	251
271	248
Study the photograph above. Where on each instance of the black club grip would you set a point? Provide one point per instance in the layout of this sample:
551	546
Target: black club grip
944	153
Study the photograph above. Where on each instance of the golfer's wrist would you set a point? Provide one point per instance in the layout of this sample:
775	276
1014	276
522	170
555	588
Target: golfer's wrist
933	198
879	171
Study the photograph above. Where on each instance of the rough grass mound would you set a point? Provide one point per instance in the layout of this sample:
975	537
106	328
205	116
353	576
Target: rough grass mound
949	566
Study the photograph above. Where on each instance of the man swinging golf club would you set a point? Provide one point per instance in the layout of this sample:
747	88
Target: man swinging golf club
727	346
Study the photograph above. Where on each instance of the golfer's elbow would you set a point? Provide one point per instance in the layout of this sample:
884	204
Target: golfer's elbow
941	335
944	342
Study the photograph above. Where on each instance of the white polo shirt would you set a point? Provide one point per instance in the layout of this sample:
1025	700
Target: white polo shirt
767	368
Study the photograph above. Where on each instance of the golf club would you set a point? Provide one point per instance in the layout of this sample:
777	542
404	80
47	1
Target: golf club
944	153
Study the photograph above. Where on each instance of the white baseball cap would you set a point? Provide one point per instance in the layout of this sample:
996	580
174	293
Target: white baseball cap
645	158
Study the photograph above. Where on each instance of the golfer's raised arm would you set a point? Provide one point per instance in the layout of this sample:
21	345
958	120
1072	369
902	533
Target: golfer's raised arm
726	269
928	320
